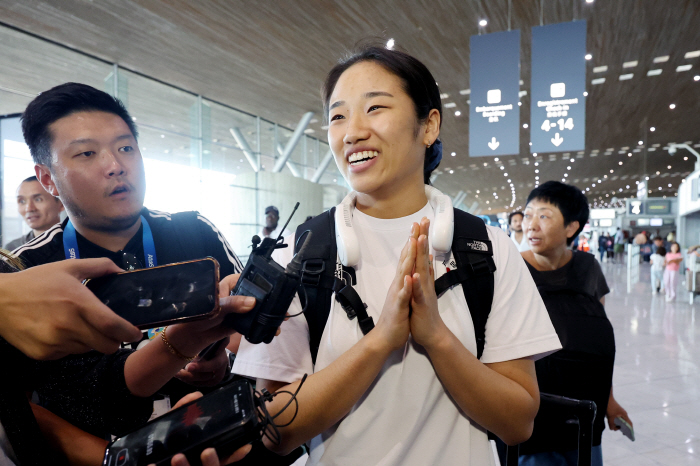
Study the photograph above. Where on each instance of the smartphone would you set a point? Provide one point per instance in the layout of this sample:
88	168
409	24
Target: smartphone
626	429
225	419
162	295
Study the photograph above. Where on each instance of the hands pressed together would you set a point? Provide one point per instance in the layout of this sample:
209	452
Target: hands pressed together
411	303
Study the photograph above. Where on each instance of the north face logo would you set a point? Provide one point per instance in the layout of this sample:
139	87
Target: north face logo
478	246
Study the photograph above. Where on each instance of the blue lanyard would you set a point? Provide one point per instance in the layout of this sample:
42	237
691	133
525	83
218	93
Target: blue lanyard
70	243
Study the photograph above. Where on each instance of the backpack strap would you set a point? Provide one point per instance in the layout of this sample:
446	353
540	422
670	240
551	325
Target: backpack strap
322	276
189	238
473	254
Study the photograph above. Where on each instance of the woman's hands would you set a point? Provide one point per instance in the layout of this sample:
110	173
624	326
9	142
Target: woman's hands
394	324
427	327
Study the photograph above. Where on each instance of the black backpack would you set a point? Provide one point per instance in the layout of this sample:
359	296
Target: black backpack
582	369
322	276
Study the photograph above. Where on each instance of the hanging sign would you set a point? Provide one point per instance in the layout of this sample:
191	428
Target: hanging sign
494	115
558	104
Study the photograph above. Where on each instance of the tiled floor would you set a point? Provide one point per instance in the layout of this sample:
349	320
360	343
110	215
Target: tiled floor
657	374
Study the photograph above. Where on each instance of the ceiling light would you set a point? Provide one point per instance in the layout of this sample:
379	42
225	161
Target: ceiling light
444	96
683	68
629	155
661	59
619	163
465	92
520	104
672	106
630	64
640	143
458	113
625	77
537	171
600	69
655	72
453	154
390	44
589	1
694	54
598	81
585	93
451	172
495	159
669	167
525	125
572	160
483	23
652	129
588	56
450	105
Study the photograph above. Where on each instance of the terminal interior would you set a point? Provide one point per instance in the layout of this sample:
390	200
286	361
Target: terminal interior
226	97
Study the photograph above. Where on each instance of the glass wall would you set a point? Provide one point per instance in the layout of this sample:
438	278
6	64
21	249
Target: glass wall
199	154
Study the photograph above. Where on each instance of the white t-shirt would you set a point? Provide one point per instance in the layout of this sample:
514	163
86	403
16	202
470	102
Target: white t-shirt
523	245
658	262
407	418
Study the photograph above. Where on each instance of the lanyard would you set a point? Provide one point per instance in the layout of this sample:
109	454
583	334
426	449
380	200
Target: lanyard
70	243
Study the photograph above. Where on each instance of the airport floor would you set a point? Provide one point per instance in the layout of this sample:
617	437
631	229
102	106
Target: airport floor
657	374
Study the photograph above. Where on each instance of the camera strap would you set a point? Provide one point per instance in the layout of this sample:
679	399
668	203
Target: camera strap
70	243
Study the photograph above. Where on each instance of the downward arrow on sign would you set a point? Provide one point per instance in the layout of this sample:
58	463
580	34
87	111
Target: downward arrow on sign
557	140
494	144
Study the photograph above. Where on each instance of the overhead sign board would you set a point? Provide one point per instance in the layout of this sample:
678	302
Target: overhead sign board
558	105
494	80
660	207
635	207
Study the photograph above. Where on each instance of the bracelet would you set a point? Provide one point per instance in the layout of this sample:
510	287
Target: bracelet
172	349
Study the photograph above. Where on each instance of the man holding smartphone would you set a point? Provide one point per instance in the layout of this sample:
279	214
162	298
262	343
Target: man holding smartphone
83	142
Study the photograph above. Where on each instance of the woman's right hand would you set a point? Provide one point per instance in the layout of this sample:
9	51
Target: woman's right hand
394	324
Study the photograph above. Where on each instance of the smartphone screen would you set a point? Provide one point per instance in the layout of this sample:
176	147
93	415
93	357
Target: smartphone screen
225	417
161	295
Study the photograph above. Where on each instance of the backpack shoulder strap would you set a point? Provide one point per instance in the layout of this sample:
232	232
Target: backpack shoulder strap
183	228
318	273
473	254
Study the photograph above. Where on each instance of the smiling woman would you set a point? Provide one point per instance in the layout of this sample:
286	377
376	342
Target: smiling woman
384	395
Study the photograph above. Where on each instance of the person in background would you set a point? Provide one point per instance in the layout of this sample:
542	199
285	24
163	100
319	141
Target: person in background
609	247
515	221
602	246
657	270
272	226
619	246
38	208
555	214
673	261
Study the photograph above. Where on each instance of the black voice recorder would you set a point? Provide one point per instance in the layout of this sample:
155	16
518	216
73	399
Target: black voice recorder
272	286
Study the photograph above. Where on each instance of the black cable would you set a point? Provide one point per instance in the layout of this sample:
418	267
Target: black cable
268	421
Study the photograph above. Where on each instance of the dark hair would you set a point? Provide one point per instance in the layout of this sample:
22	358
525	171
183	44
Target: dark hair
513	214
661	251
570	201
417	80
59	102
31	178
670	246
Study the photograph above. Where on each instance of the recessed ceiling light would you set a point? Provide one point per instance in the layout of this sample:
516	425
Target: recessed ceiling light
598	81
630	64
465	92
683	68
694	54
640	143
697	77
520	104
444	96
652	129
588	56
525	125
453	154
672	106
450	105
625	77
458	113
585	93
655	72
661	59
483	23
600	69
522	93
390	44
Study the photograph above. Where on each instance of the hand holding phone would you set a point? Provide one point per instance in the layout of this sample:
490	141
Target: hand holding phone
625	427
163	295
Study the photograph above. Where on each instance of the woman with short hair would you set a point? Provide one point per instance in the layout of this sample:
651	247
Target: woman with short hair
411	391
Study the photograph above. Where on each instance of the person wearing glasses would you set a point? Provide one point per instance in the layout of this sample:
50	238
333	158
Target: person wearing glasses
84	145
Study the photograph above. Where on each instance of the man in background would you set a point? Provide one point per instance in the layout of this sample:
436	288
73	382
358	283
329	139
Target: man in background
515	221
38	208
272	227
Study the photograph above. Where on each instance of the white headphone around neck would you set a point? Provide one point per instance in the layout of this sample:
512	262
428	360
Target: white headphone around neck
441	230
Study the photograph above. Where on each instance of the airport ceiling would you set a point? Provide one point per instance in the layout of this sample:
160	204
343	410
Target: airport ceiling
270	57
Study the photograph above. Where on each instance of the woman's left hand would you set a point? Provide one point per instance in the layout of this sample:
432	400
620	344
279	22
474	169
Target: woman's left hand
427	327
